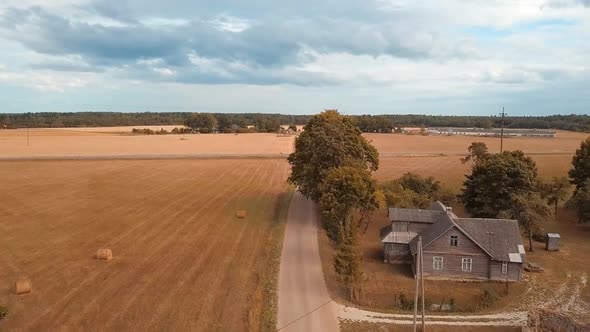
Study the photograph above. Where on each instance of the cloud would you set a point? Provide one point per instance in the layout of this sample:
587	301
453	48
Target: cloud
118	39
387	51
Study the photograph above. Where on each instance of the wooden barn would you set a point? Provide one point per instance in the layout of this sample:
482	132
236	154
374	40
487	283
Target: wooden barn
453	247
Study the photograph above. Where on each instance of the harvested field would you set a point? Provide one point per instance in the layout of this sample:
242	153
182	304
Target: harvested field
182	261
400	144
100	142
117	141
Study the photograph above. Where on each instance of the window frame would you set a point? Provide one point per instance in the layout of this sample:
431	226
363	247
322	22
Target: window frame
466	262
504	268
454	241
438	263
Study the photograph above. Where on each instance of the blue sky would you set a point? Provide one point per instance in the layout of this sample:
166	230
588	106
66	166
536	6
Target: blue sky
368	56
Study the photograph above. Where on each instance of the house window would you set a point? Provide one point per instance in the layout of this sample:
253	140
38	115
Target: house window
437	263
504	267
466	264
454	240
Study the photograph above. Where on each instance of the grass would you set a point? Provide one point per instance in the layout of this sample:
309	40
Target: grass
264	313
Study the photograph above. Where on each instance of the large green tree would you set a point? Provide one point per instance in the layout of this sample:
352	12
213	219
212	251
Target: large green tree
580	172
344	191
495	179
531	211
203	122
329	140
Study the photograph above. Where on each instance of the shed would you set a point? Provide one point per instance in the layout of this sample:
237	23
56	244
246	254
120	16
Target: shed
552	243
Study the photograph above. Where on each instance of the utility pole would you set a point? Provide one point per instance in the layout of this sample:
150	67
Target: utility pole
502	131
422	285
419	267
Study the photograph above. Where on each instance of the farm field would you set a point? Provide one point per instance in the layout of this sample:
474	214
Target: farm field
117	141
181	259
409	145
87	142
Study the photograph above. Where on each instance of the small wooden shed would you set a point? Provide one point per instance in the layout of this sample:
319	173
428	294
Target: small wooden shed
552	243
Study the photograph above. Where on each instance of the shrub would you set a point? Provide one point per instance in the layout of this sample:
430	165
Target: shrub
3	312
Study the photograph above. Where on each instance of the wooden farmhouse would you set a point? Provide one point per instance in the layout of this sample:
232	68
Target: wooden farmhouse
453	247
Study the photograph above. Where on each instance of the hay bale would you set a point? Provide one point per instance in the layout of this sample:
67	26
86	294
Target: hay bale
22	286
241	214
104	254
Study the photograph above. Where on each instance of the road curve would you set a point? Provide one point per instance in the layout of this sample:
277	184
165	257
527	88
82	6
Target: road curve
304	302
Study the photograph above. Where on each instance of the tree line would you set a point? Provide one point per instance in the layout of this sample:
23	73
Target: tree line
270	122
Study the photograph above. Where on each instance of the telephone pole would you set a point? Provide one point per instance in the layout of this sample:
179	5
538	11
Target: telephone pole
419	280
502	131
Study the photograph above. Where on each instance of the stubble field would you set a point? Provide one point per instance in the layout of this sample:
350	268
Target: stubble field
182	260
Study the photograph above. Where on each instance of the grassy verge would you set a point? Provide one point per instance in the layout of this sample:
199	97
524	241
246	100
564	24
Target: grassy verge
263	314
351	326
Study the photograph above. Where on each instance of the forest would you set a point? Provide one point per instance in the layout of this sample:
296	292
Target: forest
271	122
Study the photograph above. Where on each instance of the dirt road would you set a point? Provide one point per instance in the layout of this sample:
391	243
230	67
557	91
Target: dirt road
304	303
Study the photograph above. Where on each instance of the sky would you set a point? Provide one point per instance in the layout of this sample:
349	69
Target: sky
452	57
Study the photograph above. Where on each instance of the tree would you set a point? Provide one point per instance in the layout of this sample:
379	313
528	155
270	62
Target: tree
477	150
329	140
346	190
348	258
293	127
555	191
531	211
580	172
581	203
414	191
224	122
495	179
202	122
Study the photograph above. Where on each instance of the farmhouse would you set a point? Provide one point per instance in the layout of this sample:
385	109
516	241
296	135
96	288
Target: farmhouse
453	247
508	132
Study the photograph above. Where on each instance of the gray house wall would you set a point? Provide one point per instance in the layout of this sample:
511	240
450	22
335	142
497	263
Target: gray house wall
514	272
452	257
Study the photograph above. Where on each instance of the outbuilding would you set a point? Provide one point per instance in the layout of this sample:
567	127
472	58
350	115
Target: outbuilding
552	243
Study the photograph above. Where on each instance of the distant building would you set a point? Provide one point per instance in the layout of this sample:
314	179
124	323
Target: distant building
453	247
299	127
493	132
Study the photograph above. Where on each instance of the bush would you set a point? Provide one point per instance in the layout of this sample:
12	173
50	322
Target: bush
404	303
3	312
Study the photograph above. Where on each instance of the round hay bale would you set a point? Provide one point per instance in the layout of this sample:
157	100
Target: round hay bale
241	214
104	254
22	286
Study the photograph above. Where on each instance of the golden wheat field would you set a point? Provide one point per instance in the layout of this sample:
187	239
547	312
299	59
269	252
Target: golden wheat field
181	258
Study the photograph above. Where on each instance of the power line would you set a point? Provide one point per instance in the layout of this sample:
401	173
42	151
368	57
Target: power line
307	314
